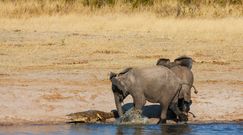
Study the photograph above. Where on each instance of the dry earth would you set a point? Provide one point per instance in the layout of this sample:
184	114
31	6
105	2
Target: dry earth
52	66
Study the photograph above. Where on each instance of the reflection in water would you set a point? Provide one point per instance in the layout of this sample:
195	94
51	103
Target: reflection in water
34	129
173	129
153	129
110	129
124	130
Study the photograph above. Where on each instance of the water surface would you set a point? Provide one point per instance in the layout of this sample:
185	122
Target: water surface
110	129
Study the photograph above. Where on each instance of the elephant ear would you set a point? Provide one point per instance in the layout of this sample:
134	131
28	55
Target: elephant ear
118	83
112	74
163	62
184	61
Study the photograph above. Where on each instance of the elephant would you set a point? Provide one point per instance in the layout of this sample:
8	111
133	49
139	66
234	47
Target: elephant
156	84
182	68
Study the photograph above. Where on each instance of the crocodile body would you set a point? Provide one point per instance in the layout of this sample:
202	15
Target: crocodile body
90	116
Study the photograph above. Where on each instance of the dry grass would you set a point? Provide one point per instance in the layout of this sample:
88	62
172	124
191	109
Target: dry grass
115	41
164	8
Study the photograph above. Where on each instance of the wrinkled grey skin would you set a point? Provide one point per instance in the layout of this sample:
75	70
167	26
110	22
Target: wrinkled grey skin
156	84
182	68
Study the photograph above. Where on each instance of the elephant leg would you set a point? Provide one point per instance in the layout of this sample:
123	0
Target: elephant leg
163	115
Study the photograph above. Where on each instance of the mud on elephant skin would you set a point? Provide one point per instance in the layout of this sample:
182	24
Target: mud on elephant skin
154	84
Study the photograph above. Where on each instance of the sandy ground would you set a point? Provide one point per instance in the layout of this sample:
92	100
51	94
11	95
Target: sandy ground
53	66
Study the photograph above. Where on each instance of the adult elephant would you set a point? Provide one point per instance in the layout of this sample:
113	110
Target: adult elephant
156	84
181	66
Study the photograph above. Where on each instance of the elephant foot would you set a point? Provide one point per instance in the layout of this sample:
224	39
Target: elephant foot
162	121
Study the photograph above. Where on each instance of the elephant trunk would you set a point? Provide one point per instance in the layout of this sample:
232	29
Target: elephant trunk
118	102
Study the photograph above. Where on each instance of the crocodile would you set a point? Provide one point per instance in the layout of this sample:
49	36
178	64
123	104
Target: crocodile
90	116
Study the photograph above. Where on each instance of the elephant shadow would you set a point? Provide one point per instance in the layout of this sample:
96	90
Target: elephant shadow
151	111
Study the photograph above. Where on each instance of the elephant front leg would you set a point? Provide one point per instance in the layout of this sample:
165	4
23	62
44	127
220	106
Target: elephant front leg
176	110
163	115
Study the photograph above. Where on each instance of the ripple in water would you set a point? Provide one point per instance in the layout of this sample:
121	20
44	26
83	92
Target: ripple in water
109	129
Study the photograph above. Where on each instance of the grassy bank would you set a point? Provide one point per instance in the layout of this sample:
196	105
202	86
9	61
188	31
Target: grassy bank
162	8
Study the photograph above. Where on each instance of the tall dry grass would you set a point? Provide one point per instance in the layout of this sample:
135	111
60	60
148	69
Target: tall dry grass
178	8
77	42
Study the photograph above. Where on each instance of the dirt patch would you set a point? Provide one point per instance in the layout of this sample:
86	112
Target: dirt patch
198	54
237	82
73	63
149	57
17	30
54	96
3	54
107	52
213	62
94	96
4	75
230	82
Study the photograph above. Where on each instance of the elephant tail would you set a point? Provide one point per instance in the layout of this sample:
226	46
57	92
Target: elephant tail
193	115
195	90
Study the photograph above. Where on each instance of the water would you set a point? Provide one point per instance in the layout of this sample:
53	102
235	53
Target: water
109	129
